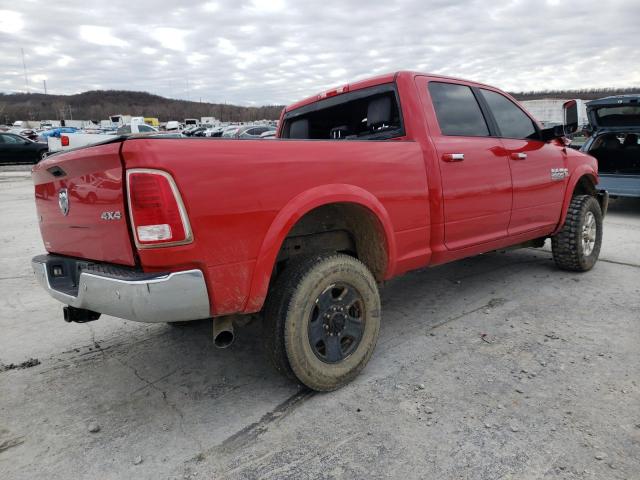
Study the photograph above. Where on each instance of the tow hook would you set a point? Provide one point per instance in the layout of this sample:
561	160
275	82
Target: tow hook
79	315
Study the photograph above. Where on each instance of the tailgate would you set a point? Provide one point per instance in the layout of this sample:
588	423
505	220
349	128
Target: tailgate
81	207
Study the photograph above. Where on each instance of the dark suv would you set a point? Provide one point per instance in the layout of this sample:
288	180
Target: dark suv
615	142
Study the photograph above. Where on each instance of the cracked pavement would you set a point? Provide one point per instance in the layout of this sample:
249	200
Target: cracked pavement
499	366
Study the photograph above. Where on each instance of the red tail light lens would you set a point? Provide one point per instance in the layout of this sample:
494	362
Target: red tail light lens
157	214
64	141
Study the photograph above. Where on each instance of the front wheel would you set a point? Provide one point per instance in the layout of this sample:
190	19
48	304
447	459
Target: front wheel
322	320
577	246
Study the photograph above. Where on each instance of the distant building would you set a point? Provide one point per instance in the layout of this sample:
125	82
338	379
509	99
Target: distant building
549	110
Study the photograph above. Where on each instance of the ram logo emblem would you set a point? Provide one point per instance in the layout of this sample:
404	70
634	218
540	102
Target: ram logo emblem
559	173
63	201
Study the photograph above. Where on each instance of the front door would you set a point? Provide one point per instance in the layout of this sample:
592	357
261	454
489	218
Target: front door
538	169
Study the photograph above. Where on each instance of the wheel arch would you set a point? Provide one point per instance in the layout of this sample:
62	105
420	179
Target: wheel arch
583	182
294	211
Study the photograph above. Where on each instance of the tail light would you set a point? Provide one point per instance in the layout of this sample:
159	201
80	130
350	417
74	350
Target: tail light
158	216
64	140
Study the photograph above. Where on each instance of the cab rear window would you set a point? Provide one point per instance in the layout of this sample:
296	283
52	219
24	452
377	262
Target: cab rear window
366	114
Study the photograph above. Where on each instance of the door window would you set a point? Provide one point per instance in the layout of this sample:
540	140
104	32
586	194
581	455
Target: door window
11	139
512	121
457	110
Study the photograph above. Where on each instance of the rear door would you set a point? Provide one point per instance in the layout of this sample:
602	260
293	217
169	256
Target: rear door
538	169
476	180
80	201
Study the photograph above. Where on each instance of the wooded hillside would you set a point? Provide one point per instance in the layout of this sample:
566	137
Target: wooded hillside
99	104
584	94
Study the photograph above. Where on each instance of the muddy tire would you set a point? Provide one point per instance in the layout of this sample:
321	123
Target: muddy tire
322	320
577	246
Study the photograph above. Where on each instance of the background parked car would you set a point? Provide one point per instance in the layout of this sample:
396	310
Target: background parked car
252	131
135	128
17	149
269	134
214	132
25	132
55	132
230	132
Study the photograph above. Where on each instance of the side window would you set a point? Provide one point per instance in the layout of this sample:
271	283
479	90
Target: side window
512	122
457	110
11	139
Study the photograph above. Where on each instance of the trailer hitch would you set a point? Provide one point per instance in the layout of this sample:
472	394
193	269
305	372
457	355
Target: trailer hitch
79	315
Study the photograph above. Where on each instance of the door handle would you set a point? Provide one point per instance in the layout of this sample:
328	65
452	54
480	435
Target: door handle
453	157
519	156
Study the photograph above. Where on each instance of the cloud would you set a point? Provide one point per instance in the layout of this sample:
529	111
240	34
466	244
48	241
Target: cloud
10	21
171	38
100	36
265	52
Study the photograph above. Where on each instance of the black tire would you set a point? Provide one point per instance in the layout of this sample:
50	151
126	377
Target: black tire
304	290
41	156
576	247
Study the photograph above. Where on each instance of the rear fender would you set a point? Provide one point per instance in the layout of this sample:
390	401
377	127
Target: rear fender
294	211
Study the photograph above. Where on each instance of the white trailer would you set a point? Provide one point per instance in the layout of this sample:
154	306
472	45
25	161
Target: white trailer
119	120
549	110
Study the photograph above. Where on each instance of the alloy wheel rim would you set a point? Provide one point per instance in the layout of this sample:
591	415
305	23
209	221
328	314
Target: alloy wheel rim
337	323
589	233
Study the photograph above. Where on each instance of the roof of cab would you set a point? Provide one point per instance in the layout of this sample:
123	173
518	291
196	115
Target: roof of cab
371	82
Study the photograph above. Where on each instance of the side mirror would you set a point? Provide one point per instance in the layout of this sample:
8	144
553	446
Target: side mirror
569	125
570	110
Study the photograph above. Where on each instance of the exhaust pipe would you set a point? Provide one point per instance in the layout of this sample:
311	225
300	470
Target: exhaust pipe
223	335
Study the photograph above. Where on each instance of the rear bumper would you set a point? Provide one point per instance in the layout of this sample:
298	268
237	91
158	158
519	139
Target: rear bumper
619	185
122	292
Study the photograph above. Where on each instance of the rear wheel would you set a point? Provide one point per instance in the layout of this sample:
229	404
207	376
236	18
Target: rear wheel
322	320
577	246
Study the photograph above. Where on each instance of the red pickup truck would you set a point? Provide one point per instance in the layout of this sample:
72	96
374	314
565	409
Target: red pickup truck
364	182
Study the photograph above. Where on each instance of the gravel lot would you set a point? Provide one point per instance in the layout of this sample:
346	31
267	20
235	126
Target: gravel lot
499	366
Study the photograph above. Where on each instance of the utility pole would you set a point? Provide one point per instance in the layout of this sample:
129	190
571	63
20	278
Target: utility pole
24	67
44	82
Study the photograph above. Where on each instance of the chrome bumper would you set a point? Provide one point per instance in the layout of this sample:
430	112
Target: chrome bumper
153	298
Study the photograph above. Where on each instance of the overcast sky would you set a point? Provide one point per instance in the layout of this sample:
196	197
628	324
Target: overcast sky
277	51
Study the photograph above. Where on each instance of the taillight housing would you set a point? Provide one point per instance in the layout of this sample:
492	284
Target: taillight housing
158	216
